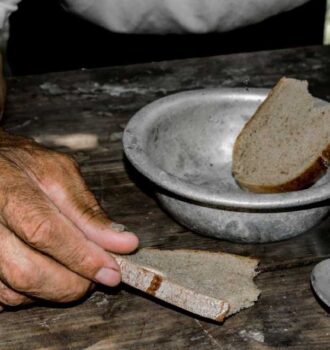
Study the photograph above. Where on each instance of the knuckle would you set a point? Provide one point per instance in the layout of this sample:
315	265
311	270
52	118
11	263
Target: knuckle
87	264
39	233
22	278
92	212
11	298
55	165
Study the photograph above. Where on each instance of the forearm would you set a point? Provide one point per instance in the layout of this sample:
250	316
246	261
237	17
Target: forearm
2	87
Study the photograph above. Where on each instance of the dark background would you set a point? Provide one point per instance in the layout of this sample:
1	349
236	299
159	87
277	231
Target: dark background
44	37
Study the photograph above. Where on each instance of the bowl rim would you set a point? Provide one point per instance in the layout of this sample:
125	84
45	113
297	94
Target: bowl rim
134	143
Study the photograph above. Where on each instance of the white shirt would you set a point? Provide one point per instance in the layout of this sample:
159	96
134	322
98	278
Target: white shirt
166	16
178	16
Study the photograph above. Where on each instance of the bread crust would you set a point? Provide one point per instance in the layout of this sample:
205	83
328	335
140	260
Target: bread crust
306	178
313	173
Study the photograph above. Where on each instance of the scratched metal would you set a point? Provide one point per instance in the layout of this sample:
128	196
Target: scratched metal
183	143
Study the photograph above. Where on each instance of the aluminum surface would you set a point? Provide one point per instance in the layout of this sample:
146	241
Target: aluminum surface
183	143
320	280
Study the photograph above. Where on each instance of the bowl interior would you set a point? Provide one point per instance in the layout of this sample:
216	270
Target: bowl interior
193	141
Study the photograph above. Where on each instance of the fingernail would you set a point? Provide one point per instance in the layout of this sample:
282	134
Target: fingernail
108	277
117	227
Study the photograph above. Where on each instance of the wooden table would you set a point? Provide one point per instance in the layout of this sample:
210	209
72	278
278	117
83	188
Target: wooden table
99	103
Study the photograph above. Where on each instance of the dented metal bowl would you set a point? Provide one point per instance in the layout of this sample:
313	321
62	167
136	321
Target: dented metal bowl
183	143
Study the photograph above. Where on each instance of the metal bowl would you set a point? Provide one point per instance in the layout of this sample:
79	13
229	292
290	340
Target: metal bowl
183	143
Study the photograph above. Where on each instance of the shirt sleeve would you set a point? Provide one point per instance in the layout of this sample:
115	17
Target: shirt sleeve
178	16
6	8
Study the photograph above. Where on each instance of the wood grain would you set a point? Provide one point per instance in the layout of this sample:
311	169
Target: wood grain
99	103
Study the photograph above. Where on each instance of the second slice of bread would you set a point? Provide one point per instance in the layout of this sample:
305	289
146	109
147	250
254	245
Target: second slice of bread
285	146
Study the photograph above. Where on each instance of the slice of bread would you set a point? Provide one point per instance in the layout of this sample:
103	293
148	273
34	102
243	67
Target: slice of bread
212	285
285	146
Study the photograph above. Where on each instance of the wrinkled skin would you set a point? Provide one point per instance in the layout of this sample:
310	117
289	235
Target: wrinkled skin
53	233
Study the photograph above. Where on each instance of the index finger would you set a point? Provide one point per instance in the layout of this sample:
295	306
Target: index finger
72	197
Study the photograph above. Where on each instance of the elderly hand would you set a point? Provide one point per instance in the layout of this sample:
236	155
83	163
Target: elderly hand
53	234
